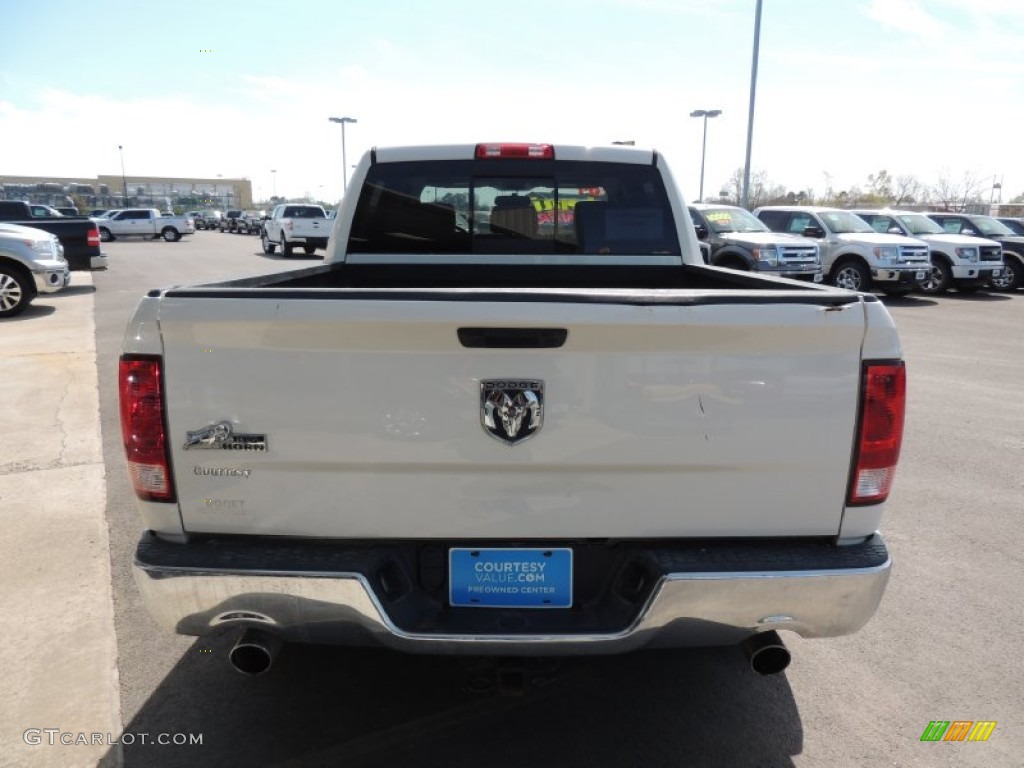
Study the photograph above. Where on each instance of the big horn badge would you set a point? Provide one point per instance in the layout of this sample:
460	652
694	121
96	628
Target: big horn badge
511	410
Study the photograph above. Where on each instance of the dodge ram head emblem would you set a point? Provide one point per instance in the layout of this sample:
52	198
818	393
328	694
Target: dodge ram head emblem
511	410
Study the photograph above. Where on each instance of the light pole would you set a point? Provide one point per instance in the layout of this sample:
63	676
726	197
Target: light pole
275	184
124	181
745	197
705	113
344	160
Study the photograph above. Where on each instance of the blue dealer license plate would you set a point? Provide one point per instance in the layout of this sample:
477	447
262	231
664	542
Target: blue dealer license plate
510	578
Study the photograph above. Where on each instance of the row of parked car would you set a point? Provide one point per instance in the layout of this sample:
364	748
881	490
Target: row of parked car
890	251
238	221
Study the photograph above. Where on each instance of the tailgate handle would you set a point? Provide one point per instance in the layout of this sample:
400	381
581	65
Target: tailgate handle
512	338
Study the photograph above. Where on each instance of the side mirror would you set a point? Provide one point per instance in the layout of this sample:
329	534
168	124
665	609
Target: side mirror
968	231
813	231
895	231
702	231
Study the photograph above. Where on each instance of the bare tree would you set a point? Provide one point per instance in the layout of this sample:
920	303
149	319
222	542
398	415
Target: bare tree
907	190
957	195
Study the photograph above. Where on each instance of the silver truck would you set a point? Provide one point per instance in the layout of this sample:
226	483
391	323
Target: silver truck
958	261
480	428
147	223
31	262
853	254
736	239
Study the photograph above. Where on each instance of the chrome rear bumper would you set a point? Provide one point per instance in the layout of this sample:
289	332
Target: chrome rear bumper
683	609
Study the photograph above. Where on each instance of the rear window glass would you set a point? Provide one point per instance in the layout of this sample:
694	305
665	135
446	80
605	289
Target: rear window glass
513	207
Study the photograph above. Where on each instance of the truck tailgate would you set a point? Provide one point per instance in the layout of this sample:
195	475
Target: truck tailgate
709	418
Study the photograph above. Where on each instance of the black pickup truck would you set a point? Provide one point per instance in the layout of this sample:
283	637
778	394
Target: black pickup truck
78	234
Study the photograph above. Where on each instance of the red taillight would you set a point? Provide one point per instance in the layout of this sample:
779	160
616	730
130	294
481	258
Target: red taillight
880	432
142	427
517	151
93	238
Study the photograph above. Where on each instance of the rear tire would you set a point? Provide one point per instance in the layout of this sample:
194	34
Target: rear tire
106	235
309	249
852	275
15	291
170	234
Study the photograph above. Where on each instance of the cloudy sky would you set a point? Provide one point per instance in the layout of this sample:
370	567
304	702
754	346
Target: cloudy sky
846	87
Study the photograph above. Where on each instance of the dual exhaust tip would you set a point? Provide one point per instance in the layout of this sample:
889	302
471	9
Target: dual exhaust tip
255	652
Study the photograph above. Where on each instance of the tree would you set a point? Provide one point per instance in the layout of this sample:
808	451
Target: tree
957	195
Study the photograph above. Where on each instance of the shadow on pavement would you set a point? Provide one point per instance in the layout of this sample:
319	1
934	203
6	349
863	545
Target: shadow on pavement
979	296
909	301
325	706
72	290
32	311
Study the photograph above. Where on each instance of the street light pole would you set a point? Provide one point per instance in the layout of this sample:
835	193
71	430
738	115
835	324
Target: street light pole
705	113
344	160
275	184
124	181
745	198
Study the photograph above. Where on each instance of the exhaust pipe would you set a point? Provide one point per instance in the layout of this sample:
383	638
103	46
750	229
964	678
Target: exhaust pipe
766	653
255	651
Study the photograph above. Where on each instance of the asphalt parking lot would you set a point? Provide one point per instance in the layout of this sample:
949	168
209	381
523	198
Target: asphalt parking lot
944	645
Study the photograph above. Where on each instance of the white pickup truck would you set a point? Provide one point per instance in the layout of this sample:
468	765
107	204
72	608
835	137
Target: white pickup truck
485	429
958	261
293	224
853	254
145	222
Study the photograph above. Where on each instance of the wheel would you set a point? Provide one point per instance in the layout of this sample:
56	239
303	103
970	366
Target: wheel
15	293
170	234
852	275
105	235
268	247
286	247
733	263
938	279
1012	275
309	249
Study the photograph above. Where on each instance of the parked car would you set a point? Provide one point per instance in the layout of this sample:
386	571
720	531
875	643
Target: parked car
79	236
208	220
737	239
976	225
853	254
294	225
230	220
250	222
31	262
44	211
958	261
1014	225
148	223
498	442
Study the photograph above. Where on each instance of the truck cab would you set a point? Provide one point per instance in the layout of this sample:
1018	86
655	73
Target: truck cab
854	255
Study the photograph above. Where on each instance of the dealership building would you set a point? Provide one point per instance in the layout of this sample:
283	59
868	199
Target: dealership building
129	191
